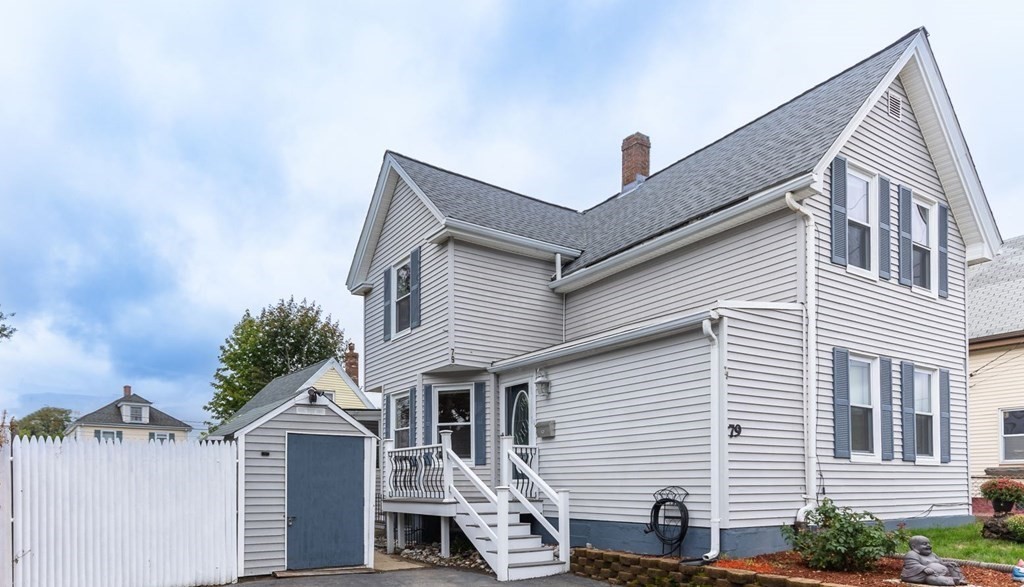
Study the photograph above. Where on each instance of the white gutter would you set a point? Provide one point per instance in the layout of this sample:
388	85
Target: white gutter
716	442
810	359
460	229
608	342
753	207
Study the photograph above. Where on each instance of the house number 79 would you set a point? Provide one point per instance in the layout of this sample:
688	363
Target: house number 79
735	430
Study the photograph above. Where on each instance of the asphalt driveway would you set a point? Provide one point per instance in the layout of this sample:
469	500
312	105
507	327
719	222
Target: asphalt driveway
429	577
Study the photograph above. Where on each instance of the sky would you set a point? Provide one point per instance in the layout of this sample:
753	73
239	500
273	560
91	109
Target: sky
165	166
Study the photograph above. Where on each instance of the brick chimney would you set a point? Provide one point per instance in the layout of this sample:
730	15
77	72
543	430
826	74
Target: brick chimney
127	390
352	362
636	158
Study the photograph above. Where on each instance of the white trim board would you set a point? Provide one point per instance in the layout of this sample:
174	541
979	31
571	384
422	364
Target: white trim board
295	402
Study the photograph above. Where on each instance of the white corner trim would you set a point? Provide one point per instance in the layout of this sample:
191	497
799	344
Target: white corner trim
501	240
383	193
240	504
755	206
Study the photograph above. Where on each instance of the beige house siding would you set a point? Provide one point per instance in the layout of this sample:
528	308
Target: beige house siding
998	384
130	433
344	395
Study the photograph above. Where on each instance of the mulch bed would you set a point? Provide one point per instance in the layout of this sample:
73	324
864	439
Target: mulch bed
791	564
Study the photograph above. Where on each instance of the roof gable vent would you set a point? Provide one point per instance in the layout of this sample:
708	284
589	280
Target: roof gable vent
895	105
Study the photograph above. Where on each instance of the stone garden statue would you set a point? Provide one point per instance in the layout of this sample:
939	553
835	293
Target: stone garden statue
920	565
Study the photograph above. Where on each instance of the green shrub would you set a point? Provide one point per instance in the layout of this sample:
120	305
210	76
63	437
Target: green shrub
1016	526
839	539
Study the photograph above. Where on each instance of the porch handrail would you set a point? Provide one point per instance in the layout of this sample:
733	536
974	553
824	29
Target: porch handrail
532	509
560	499
462	466
533	476
473	514
415	471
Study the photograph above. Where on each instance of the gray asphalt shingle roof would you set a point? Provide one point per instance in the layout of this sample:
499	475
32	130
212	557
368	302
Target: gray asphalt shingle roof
267	399
781	145
110	415
995	293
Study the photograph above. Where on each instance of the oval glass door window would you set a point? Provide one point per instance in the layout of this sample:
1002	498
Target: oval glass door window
521	418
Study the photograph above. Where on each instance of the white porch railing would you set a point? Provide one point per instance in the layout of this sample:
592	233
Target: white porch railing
428	473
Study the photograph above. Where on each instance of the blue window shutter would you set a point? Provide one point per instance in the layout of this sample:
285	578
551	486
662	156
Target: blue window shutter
885	373
907	401
841	402
428	414
412	417
943	252
152	435
480	422
171	437
944	410
414	288
906	238
839	211
386	416
884	234
387	304
118	433
97	434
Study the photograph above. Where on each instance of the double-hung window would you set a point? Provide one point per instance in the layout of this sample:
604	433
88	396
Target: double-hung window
402	418
135	413
863	407
858	220
403	295
926	411
921	230
455	413
108	435
1012	435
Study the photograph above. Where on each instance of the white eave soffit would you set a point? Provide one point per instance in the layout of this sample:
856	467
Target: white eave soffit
944	138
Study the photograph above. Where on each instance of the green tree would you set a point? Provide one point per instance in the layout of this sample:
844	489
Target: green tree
6	330
285	337
48	421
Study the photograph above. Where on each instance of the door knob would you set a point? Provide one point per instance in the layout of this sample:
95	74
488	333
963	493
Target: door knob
291	521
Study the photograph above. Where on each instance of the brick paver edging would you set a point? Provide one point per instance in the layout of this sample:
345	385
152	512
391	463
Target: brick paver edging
620	568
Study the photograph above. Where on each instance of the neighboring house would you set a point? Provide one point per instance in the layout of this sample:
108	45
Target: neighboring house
130	417
996	383
777	316
327	377
307	444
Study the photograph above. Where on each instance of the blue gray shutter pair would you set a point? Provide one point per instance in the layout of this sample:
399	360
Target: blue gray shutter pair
414	294
841	404
839	208
909	422
907	242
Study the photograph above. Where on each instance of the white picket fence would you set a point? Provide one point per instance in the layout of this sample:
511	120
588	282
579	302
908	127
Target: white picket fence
91	514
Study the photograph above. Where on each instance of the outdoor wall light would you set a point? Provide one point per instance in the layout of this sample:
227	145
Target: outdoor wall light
542	383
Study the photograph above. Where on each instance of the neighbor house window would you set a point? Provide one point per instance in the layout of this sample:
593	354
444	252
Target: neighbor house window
858	220
136	414
863	406
922	224
925	411
454	412
108	435
161	436
1013	435
403	298
401	421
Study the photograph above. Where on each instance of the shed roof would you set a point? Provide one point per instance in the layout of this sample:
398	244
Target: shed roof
995	293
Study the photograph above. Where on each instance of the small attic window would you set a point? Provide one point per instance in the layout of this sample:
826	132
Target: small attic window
895	105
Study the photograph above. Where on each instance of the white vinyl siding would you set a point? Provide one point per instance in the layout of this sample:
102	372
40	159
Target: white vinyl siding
756	261
503	305
265	480
394	364
630	422
764	362
883	318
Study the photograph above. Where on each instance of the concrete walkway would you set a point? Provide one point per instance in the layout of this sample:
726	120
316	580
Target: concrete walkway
429	577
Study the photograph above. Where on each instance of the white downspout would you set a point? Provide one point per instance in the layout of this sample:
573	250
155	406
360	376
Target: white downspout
716	441
810	359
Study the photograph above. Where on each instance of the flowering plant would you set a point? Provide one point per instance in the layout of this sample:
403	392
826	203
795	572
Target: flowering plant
1003	489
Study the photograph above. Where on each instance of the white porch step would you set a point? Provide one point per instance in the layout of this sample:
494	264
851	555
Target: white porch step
536	554
514	529
518	571
526	541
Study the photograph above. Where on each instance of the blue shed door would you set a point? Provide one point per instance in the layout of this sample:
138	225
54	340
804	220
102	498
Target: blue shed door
325	501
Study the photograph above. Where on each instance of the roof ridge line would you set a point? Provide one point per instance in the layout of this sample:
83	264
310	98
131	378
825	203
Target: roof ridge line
779	107
480	181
